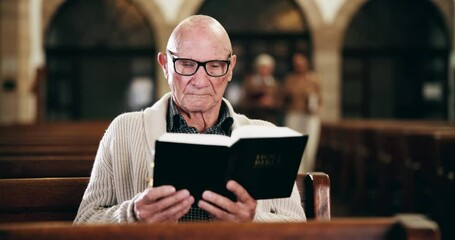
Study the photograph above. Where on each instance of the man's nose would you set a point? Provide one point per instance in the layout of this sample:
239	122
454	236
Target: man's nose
201	78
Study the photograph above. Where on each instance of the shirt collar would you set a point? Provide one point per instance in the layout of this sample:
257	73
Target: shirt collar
223	125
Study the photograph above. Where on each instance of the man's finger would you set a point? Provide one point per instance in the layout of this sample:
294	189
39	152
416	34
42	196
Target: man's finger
153	194
241	193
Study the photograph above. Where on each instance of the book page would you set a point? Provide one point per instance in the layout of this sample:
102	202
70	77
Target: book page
201	139
254	131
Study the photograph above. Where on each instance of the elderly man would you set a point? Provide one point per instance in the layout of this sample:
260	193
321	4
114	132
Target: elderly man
198	65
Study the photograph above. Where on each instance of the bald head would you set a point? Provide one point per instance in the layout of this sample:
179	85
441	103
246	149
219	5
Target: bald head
198	28
201	45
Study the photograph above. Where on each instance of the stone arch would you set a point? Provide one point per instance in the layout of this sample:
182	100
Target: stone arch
156	19
162	31
313	13
346	14
380	65
115	52
49	10
188	8
445	7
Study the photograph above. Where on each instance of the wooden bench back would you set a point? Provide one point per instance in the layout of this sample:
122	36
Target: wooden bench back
383	167
66	138
57	199
415	228
38	166
40	199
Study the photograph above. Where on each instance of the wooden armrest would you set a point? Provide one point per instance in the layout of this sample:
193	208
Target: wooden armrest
314	188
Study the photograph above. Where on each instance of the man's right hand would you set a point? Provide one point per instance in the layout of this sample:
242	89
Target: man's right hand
162	204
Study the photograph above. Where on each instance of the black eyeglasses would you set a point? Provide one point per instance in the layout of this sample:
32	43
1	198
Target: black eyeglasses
188	67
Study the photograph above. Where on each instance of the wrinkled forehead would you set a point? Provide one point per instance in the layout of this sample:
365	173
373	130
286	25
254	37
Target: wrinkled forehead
202	48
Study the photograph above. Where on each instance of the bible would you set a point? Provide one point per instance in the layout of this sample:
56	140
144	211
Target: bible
263	159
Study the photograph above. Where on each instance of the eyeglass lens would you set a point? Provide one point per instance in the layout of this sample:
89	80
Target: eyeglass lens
189	67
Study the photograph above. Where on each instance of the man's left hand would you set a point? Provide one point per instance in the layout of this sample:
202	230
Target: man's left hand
223	209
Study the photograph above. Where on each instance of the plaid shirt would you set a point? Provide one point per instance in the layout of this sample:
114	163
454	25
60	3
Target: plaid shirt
177	124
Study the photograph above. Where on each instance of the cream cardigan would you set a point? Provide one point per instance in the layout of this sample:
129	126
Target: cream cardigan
122	163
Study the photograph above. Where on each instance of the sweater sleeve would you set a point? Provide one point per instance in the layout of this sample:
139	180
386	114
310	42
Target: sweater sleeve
99	203
281	209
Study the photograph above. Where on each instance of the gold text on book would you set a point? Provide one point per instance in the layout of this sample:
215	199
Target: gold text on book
267	160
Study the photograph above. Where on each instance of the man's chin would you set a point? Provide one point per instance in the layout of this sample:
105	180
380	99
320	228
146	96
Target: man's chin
198	103
199	100
198	107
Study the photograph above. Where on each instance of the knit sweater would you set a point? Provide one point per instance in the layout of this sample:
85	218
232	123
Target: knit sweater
122	167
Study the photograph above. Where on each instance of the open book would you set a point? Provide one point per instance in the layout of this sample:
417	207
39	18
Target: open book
263	159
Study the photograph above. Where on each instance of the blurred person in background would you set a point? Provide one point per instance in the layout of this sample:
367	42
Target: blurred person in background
262	98
302	94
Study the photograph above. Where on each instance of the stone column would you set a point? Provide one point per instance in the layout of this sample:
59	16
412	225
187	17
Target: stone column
9	61
327	63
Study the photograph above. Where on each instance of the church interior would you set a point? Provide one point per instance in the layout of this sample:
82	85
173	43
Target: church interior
379	106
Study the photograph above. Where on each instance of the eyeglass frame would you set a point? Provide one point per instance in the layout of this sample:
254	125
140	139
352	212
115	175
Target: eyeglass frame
203	64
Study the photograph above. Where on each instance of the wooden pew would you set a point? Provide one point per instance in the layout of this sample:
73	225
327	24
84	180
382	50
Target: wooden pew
414	160
434	178
37	166
67	138
49	150
57	199
53	134
40	199
329	153
400	166
396	228
376	158
56	129
63	149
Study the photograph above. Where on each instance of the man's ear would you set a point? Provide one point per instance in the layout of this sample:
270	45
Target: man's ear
162	60
233	61
232	66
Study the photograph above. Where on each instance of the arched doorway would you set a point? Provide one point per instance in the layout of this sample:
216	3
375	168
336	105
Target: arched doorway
274	27
395	62
95	52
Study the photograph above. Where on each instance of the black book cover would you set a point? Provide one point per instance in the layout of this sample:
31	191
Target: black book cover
265	166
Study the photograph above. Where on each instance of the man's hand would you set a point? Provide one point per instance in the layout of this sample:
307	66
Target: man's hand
222	208
162	204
